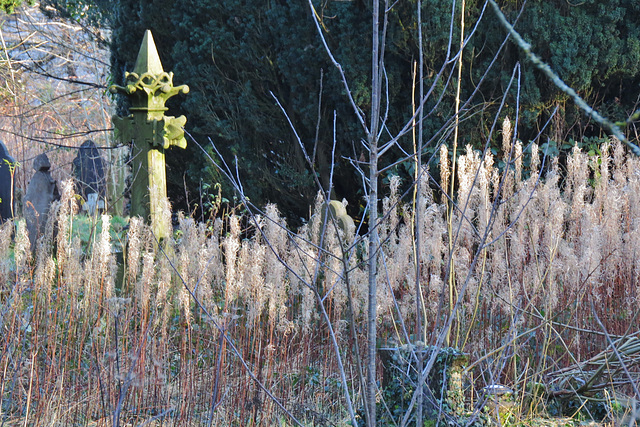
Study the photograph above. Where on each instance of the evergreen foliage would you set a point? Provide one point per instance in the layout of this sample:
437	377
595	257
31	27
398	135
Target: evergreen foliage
235	53
595	48
95	12
8	6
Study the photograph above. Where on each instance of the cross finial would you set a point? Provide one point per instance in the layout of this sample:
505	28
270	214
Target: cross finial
148	60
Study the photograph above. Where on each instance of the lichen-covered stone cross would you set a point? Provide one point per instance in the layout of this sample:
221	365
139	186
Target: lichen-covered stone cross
150	132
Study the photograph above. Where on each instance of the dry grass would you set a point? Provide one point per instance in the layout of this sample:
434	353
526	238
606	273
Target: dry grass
84	339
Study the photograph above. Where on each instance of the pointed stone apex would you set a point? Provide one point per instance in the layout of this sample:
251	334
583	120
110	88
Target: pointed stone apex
148	59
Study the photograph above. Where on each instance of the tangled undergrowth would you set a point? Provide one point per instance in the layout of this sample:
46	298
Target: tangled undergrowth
117	326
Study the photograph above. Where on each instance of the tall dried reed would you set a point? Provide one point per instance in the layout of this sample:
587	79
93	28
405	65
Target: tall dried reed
82	341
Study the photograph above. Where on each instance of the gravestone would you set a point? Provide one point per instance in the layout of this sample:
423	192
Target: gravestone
6	183
89	170
338	212
41	191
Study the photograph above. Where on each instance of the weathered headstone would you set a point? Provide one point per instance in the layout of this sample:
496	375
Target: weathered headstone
6	183
338	212
41	191
89	170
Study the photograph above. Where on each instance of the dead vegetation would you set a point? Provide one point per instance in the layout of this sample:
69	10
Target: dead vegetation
203	327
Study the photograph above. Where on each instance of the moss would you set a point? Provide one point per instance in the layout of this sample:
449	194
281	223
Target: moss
444	393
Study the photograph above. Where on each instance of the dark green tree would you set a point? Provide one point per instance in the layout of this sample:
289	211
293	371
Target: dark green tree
594	46
238	58
234	54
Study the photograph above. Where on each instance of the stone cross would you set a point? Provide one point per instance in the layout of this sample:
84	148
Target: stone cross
150	132
7	168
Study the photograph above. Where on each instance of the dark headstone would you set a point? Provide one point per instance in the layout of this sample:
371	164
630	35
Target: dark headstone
89	169
41	191
6	183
